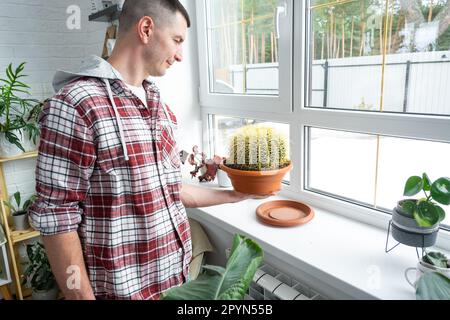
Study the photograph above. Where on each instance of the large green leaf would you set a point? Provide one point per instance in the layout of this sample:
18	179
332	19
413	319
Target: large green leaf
229	283
441	213
426	214
17	198
433	286
440	191
413	185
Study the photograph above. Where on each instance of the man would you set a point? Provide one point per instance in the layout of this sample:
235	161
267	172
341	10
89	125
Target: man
111	206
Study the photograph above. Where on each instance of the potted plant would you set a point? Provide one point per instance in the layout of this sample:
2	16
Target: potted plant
39	275
432	277
258	160
208	168
15	112
218	283
18	212
415	222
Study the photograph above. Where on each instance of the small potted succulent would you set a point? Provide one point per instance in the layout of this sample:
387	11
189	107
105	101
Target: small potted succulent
39	274
18	212
208	168
258	160
415	222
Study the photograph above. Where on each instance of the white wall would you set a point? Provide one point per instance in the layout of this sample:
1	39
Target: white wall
179	89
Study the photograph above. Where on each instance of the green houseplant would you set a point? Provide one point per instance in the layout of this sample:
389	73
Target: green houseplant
258	160
432	277
17	112
218	283
39	275
19	212
416	221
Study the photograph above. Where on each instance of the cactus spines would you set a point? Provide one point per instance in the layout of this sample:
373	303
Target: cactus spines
257	148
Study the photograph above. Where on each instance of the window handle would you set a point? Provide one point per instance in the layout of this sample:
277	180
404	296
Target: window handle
281	10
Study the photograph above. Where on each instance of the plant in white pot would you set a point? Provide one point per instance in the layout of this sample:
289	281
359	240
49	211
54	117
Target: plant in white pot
415	222
432	277
14	112
19	212
39	274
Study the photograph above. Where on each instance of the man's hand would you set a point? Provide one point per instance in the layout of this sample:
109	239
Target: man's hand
197	197
239	196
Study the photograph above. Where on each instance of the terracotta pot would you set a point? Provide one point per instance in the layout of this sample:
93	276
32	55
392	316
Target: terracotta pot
256	182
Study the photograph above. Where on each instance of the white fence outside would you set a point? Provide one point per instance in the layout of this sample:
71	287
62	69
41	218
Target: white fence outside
414	82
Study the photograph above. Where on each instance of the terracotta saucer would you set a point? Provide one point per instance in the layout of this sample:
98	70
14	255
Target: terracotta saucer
284	213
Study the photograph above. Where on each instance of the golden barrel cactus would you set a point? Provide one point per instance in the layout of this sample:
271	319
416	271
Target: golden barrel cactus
258	148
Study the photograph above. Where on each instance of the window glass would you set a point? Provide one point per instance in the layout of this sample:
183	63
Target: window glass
374	55
371	169
243	47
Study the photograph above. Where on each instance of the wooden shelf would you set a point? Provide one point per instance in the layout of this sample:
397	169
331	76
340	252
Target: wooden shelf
25	155
22	235
106	15
14	236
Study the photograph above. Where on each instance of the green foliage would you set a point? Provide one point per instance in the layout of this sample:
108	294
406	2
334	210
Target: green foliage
332	22
433	286
38	273
437	259
16	207
426	211
257	148
229	283
15	110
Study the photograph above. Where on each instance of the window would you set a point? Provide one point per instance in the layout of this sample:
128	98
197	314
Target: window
344	164
380	56
244	47
369	100
375	104
246	54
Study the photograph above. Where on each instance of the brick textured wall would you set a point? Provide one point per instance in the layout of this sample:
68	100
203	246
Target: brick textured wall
35	32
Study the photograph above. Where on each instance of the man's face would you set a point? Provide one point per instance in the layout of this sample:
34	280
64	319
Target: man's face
166	46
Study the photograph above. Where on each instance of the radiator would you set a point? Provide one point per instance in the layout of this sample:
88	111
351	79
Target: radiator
272	284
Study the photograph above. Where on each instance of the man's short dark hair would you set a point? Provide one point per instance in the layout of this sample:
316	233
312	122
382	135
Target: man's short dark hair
161	11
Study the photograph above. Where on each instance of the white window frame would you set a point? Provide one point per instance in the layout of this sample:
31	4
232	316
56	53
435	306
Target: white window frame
435	128
258	103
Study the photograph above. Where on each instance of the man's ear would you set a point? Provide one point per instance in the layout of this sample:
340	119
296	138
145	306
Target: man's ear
145	29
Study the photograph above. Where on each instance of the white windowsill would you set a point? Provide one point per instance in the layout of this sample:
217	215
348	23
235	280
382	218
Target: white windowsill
346	255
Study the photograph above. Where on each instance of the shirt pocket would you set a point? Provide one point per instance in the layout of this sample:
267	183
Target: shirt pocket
170	154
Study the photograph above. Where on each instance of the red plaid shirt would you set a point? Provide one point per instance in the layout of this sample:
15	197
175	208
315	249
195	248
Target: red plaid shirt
129	216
